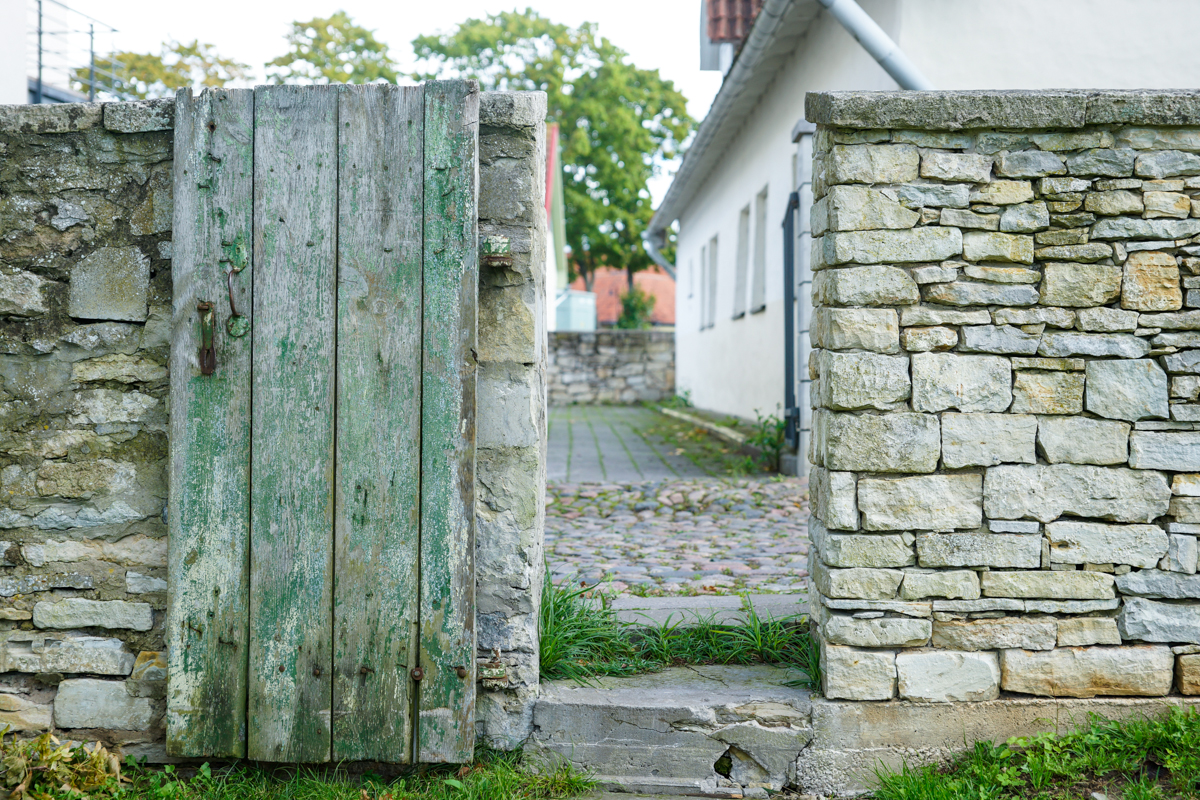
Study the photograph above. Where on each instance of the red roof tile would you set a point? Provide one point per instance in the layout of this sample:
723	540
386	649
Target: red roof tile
611	283
730	20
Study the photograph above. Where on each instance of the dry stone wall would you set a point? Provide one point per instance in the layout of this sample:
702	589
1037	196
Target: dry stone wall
85	299
1006	491
611	367
510	456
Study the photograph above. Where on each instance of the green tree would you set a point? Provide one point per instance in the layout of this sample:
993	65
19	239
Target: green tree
619	123
137	76
333	50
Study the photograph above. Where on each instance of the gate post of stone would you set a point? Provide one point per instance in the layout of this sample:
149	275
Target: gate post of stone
511	410
1006	442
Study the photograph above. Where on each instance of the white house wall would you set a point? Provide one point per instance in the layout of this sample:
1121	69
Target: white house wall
14	88
1053	44
736	366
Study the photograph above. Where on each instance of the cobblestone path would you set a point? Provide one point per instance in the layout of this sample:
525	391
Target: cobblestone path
680	536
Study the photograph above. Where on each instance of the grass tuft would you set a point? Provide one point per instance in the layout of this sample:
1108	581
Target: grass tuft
1137	759
582	639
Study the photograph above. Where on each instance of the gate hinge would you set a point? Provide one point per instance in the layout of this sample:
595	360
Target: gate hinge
494	674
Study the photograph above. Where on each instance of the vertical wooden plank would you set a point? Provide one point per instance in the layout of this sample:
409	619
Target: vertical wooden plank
377	511
446	722
291	578
208	515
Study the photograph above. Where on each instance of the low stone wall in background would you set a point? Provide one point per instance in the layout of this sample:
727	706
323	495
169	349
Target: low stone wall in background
1007	394
611	367
85	322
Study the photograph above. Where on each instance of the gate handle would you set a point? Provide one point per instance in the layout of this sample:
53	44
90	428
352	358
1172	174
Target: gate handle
208	355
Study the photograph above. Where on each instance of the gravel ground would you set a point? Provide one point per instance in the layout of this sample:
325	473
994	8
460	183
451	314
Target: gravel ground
680	536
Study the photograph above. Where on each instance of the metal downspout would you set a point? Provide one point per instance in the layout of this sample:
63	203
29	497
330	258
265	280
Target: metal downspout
648	237
791	412
881	47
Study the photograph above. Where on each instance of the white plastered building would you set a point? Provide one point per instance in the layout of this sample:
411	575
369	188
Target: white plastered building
753	150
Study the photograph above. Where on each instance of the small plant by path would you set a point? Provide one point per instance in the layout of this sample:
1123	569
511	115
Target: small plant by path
1136	759
47	769
582	639
767	437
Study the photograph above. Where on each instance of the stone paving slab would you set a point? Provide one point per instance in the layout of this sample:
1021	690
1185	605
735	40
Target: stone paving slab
721	609
612	443
665	732
680	537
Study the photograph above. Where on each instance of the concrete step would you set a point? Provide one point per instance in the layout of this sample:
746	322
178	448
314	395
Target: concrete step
666	733
724	609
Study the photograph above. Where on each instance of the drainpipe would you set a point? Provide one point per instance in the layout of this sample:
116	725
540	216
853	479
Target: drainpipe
881	47
649	238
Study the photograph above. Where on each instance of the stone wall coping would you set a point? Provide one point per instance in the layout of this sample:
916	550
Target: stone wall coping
589	336
498	109
512	109
138	116
960	110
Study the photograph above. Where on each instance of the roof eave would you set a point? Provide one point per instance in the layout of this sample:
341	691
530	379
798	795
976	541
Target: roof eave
778	26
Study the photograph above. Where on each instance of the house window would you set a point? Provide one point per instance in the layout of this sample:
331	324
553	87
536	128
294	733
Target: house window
691	278
742	264
758	293
712	281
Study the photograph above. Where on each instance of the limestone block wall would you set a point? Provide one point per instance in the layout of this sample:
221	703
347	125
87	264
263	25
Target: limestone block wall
85	307
85	299
510	456
611	367
1007	394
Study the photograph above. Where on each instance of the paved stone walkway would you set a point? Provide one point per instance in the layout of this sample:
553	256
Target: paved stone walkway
680	536
613	443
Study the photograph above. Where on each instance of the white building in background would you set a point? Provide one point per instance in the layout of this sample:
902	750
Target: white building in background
70	51
14	86
753	149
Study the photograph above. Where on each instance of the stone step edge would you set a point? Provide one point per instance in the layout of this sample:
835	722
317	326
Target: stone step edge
724	609
720	431
646	786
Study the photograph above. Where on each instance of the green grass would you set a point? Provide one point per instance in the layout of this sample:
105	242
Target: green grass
1138	759
582	639
43	769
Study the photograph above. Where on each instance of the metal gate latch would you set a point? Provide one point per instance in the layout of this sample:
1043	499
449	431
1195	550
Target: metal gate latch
208	355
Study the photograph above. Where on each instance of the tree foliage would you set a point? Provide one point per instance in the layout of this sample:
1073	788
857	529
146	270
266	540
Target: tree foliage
333	50
138	76
618	122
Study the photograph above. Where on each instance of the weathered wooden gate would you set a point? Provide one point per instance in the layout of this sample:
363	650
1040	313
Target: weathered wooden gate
322	424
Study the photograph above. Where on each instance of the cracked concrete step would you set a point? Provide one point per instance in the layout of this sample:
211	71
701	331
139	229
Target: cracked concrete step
665	733
724	609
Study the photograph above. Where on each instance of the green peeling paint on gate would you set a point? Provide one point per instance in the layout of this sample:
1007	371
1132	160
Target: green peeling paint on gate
322	477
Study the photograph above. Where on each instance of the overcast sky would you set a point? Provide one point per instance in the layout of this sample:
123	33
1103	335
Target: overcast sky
658	34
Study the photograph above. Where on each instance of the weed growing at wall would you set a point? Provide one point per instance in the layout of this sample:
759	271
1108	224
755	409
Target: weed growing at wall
767	438
44	768
582	639
1140	759
680	400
